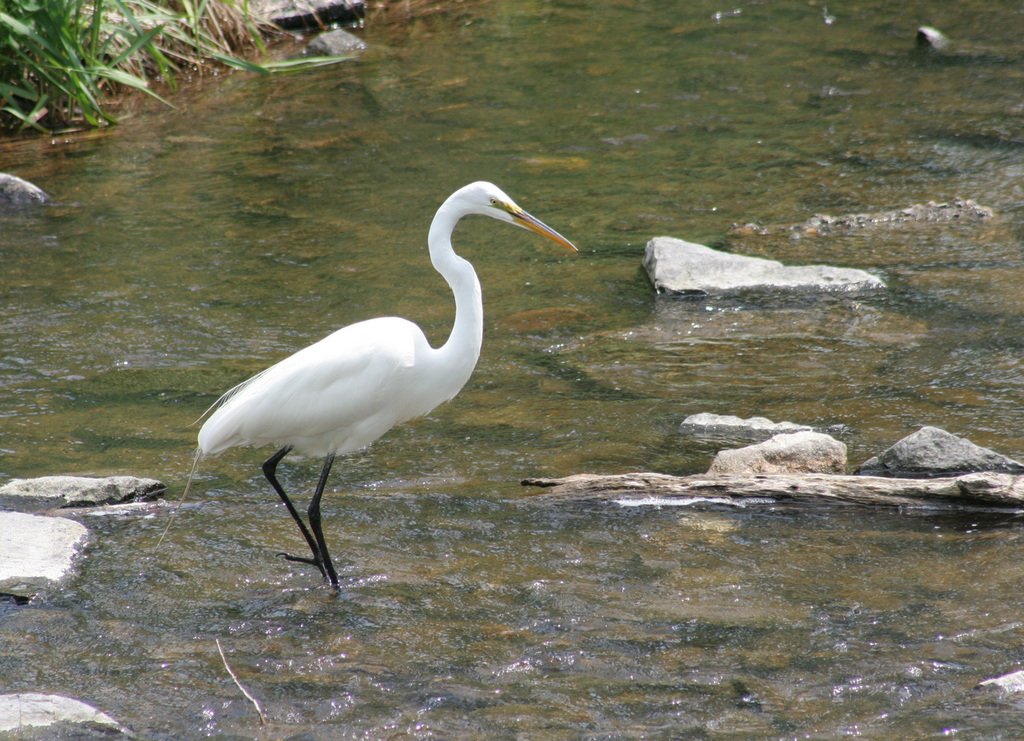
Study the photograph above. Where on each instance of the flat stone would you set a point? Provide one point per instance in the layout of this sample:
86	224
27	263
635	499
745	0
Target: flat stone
36	548
51	492
706	424
933	452
34	709
794	452
684	267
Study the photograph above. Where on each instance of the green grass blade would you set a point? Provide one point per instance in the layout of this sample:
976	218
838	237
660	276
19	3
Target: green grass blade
240	64
295	65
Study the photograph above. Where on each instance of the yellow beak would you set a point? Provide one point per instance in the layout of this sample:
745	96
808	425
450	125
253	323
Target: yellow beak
523	219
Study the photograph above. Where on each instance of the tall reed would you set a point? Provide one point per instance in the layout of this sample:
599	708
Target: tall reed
63	61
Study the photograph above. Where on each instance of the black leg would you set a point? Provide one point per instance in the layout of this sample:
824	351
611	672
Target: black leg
314	520
270	470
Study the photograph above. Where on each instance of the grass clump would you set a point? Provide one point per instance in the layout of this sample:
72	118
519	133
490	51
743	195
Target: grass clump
62	62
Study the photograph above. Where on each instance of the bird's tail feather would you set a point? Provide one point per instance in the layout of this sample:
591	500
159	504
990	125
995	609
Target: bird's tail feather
188	487
227	396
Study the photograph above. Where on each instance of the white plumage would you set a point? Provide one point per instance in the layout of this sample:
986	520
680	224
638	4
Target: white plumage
337	395
345	391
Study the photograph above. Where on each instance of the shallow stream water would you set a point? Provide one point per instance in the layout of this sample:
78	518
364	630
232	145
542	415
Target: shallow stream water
187	249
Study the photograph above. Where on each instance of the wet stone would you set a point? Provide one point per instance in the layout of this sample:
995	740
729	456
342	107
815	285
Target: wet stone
17	192
335	43
54	492
932	452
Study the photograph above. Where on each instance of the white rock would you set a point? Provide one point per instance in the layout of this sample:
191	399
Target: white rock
707	424
28	709
795	452
35	547
685	267
1013	682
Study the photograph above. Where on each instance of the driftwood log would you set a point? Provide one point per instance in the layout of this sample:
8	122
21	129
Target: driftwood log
988	490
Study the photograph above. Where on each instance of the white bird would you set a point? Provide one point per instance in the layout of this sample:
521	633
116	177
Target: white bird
345	391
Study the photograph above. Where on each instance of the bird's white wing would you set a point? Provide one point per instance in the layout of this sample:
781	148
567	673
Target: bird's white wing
337	395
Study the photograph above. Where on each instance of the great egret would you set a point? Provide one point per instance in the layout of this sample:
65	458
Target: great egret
345	391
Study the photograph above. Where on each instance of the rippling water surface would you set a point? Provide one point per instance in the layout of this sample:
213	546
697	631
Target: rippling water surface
188	249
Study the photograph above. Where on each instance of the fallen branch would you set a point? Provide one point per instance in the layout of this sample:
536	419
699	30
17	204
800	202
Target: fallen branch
250	698
975	489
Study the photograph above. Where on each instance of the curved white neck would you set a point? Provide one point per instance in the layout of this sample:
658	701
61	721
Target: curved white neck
466	338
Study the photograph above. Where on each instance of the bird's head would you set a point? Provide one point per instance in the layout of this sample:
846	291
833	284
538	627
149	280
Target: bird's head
488	199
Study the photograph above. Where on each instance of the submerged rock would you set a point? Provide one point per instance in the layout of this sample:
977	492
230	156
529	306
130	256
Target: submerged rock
934	44
932	39
961	210
336	43
958	210
793	452
685	267
932	452
17	192
35	709
51	492
37	549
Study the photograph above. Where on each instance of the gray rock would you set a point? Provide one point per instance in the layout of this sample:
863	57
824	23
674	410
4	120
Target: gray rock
36	549
34	709
794	452
17	192
706	424
932	452
1009	683
337	43
685	267
50	492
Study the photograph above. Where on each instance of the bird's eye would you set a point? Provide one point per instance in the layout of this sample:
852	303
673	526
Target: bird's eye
494	202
